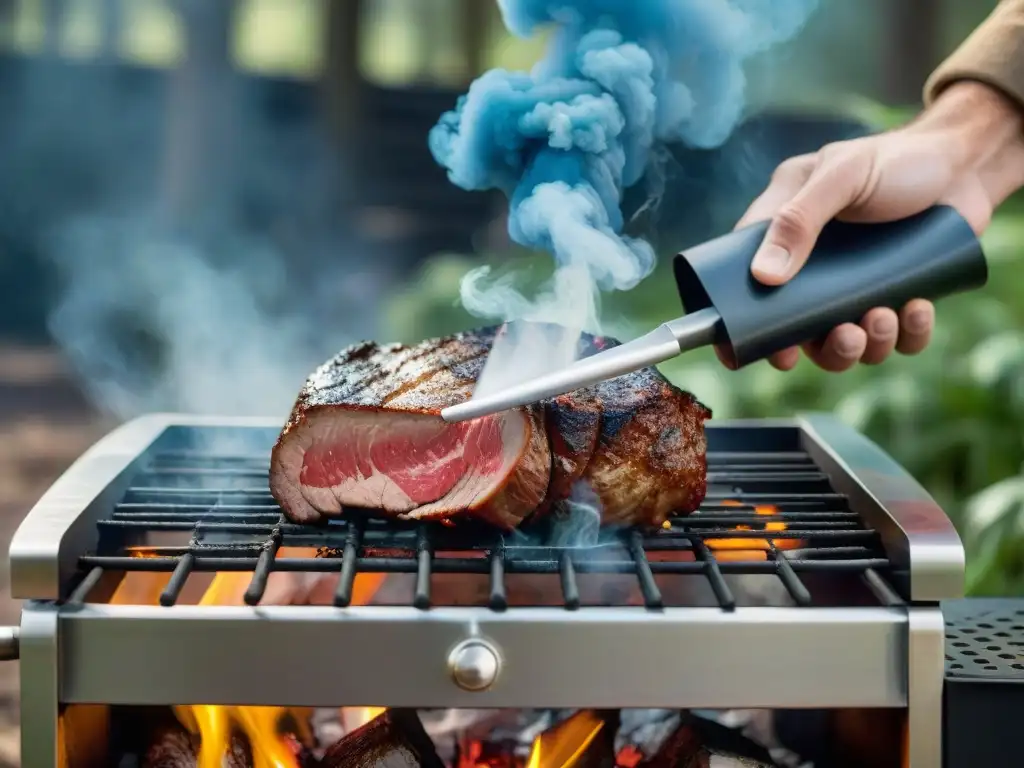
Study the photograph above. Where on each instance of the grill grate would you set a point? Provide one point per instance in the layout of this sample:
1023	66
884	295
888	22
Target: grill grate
222	505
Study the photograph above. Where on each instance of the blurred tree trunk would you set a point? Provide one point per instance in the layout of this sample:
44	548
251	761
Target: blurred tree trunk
476	19
344	91
111	26
54	15
8	15
342	80
203	98
914	47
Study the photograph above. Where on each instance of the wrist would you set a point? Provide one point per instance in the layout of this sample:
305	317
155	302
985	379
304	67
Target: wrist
976	122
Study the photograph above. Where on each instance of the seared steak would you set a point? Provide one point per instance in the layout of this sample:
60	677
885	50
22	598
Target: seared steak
636	441
366	432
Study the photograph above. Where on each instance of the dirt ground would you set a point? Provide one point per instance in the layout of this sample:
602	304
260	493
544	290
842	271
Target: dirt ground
45	424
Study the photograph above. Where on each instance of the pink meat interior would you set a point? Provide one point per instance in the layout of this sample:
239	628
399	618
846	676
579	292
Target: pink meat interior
423	458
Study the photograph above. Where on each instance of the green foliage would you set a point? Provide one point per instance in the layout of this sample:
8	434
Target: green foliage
953	416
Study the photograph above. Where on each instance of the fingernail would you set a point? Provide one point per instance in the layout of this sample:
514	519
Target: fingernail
919	320
847	345
885	326
771	259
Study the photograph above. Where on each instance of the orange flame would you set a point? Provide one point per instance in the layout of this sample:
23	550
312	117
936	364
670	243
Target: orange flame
215	724
563	745
357	717
752	548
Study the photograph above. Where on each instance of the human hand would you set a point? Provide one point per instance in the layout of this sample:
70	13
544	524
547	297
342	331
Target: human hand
966	151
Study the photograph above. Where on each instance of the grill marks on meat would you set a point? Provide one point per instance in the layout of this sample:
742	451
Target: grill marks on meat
365	432
637	442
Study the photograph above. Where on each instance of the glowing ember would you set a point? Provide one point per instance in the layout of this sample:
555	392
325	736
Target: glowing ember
629	757
726	549
563	745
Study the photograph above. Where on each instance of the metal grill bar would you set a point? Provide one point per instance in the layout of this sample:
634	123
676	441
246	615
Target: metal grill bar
773	500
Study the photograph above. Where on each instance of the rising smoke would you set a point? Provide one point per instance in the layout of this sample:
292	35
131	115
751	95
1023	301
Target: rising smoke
622	79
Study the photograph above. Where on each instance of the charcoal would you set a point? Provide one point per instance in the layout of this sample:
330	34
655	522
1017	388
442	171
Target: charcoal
395	739
646	730
440	723
327	726
173	747
701	743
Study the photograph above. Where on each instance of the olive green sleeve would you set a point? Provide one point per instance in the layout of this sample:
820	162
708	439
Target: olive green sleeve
993	54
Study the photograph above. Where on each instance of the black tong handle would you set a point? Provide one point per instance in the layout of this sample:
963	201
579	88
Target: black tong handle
853	268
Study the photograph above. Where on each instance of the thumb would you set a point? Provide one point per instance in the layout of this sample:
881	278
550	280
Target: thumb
794	229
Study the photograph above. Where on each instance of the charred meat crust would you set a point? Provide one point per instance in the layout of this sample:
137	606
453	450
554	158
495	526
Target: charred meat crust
637	441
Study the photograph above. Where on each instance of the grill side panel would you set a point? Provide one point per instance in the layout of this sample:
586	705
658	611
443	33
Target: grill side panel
927	555
62	526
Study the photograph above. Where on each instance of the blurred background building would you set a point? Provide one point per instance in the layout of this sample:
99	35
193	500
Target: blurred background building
200	199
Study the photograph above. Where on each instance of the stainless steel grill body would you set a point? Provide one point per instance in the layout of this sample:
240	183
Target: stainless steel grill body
889	653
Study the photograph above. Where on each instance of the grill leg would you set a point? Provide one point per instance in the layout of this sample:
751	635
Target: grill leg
39	685
926	653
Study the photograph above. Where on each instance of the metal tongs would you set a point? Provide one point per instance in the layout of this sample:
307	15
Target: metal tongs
854	267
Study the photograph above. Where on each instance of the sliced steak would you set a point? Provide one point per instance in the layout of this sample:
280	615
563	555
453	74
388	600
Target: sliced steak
366	432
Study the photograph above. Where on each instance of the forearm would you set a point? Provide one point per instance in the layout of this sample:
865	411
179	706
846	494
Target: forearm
981	130
979	120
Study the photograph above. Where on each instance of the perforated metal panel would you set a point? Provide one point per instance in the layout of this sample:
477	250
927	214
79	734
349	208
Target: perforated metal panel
985	638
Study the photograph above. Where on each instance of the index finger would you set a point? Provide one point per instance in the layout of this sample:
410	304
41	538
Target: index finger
831	188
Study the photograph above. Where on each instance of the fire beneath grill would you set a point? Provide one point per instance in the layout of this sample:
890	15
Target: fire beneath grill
400	738
209	736
749	548
263	731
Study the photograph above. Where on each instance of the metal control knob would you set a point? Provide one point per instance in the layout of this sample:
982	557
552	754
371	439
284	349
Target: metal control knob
474	664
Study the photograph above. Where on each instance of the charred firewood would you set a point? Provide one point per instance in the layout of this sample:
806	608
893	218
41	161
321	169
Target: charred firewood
701	743
683	749
394	739
174	748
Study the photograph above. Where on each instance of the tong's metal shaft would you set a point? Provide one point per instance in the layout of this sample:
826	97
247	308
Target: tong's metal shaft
665	342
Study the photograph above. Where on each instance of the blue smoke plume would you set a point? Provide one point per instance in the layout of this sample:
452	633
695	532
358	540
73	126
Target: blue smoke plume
621	79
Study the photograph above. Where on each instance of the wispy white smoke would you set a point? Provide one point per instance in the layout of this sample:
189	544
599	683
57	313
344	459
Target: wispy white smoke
155	321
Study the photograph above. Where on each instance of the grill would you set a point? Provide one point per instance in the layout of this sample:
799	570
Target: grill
857	556
210	498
